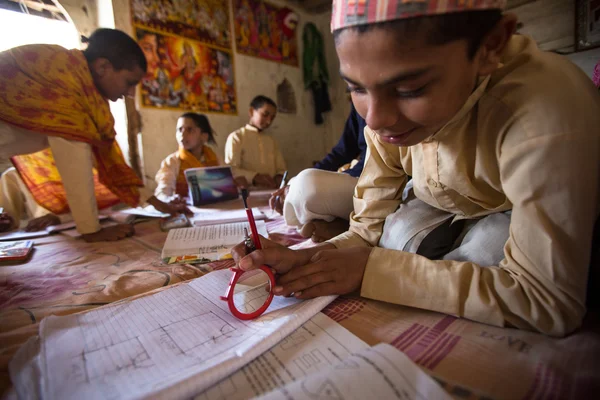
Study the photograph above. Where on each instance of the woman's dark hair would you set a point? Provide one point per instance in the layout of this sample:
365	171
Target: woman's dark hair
201	122
440	29
260	101
117	47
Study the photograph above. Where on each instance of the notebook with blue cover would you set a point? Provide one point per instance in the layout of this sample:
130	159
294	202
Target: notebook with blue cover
210	185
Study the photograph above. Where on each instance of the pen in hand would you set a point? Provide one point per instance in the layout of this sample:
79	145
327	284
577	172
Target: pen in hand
282	184
255	239
248	242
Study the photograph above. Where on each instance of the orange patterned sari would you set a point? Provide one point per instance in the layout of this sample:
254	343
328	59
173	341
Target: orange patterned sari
50	90
188	160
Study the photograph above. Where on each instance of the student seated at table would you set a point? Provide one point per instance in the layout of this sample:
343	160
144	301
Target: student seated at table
254	156
193	133
17	202
503	143
58	99
318	201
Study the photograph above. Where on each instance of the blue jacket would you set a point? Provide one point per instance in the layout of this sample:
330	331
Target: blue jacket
351	145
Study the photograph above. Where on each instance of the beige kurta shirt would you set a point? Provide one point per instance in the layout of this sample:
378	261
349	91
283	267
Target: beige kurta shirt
250	152
528	140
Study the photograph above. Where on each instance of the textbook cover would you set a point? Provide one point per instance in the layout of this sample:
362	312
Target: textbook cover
15	251
210	185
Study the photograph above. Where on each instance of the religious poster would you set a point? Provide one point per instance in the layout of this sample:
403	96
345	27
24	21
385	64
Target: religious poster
206	21
265	30
186	74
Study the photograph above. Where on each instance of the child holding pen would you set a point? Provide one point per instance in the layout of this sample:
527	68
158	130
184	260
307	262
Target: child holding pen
253	155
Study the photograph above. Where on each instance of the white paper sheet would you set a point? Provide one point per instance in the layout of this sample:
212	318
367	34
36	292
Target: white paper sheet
148	211
380	372
212	242
315	346
208	216
172	344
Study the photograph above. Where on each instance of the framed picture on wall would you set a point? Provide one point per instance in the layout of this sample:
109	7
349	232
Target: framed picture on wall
587	24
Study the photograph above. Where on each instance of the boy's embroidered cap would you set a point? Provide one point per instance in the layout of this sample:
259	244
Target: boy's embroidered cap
363	12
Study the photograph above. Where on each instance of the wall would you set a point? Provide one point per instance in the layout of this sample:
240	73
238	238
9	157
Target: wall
300	139
552	24
83	13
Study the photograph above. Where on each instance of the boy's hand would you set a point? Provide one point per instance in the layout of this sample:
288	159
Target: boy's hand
337	271
278	198
264	180
278	257
177	206
37	224
6	222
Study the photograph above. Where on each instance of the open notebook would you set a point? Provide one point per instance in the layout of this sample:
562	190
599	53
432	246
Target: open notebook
205	243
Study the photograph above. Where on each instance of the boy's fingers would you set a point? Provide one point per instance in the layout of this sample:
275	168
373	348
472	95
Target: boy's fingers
322	289
238	252
301	272
301	284
273	257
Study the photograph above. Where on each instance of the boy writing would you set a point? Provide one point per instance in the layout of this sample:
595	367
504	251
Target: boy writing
495	133
254	156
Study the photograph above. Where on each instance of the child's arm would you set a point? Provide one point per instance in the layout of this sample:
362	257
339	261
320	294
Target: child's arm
166	178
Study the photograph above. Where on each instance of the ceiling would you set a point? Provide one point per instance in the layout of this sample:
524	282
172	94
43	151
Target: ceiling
41	8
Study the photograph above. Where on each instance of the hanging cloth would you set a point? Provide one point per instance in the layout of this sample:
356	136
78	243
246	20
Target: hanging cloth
315	72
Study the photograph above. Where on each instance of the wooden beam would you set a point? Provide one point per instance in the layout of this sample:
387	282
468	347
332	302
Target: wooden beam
39	6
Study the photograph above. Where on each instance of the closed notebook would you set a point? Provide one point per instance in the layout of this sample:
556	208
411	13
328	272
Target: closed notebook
210	185
15	251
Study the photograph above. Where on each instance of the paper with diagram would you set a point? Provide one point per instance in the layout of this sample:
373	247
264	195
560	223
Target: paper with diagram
379	372
173	344
315	347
